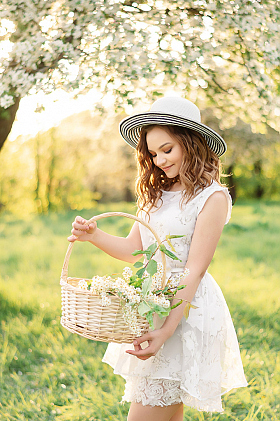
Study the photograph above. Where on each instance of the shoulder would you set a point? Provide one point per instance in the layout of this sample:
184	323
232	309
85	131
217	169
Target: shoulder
216	201
214	198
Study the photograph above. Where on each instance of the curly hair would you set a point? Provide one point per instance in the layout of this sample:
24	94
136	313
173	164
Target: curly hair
200	166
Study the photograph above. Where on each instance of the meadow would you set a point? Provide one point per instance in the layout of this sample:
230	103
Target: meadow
47	373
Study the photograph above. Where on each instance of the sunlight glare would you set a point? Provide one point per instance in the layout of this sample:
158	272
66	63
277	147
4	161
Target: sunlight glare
56	107
6	26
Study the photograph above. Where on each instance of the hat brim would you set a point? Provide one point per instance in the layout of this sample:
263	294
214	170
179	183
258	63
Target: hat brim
130	128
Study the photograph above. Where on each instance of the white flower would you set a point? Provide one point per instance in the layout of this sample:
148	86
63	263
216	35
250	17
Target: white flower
96	285
6	101
174	281
165	303
127	273
105	300
83	284
160	268
130	317
157	281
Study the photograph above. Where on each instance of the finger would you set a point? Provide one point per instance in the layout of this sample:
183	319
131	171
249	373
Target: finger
72	238
78	233
137	347
80	227
80	220
141	357
141	339
92	225
142	352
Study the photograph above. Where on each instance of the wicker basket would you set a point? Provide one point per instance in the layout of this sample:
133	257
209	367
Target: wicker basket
82	312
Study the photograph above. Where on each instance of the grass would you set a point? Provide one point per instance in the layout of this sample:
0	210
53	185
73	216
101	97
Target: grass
47	373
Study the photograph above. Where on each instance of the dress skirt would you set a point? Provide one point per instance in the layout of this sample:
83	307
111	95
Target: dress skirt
196	365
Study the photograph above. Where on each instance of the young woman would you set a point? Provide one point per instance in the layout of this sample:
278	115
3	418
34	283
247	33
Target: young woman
182	362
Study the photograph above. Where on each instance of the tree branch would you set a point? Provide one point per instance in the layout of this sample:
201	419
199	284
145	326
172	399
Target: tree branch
213	79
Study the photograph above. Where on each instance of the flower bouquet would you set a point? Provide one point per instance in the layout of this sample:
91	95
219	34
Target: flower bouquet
141	293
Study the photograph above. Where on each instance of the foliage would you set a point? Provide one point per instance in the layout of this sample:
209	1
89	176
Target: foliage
156	298
252	159
49	374
141	293
227	51
67	167
84	160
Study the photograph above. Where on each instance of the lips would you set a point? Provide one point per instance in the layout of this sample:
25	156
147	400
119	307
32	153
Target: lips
167	168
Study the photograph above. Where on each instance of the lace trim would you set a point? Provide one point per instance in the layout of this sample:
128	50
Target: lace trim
163	392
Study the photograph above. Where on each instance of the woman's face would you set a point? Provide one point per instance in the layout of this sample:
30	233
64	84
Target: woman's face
166	152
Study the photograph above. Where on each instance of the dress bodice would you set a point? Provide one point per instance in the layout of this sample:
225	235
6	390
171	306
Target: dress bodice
171	216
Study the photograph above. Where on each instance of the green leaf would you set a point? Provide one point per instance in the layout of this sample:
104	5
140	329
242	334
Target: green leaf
177	304
149	317
146	286
168	253
162	248
152	247
148	254
161	311
137	283
151	267
136	252
143	308
140	272
170	244
138	264
172	255
174	236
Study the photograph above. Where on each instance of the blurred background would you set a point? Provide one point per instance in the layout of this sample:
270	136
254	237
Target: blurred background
82	161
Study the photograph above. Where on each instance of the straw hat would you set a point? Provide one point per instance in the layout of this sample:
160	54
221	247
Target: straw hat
172	111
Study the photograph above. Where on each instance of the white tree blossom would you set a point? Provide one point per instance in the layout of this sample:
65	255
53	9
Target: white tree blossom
225	52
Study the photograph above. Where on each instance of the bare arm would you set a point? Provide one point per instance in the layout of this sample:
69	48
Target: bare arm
118	247
208	229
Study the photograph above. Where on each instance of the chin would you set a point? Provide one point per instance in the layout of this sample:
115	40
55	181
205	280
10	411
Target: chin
171	175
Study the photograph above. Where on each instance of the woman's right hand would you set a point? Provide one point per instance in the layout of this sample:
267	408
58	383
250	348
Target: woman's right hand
81	231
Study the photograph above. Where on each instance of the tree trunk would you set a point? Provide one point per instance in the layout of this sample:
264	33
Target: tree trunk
49	187
259	190
38	200
7	117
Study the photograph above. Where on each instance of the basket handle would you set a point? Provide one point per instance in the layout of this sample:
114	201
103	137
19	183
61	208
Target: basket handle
64	273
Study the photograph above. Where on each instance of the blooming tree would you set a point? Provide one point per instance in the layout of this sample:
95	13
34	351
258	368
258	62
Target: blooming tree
225	52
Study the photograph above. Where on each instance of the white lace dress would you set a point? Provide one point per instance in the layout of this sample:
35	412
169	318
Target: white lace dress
201	361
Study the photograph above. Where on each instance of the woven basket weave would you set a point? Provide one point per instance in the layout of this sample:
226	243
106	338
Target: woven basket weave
82	312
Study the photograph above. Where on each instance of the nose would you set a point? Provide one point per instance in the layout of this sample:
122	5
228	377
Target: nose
160	160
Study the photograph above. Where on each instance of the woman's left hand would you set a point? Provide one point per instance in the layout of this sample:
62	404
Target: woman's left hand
155	339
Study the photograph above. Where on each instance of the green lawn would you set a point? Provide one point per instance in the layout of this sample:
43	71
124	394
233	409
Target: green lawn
48	374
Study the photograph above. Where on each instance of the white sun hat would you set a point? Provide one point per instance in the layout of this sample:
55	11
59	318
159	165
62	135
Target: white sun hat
171	111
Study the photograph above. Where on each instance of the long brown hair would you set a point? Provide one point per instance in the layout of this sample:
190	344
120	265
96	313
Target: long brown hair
200	166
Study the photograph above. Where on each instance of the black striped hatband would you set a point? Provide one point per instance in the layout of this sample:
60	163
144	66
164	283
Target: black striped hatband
130	129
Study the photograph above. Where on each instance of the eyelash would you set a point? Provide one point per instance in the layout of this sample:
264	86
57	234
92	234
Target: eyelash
169	150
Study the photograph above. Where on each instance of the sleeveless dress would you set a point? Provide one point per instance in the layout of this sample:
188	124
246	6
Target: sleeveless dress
201	360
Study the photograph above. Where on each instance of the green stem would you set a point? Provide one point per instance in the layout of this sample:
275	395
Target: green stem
154	253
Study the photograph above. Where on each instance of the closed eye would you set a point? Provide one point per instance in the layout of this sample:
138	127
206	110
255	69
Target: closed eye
166	152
